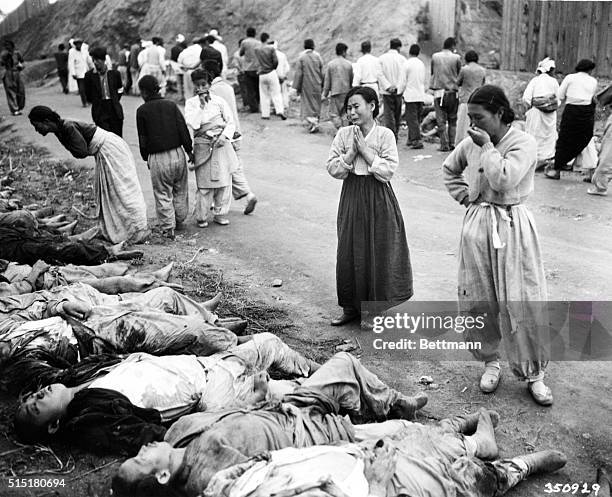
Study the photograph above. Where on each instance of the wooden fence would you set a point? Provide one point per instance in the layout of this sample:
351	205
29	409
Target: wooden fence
563	30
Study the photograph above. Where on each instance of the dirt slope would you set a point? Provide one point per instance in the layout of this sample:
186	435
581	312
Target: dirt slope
113	22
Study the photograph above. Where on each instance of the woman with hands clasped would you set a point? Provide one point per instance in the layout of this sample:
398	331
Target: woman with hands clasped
373	262
501	274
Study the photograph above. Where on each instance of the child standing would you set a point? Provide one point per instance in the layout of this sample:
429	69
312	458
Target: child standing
215	159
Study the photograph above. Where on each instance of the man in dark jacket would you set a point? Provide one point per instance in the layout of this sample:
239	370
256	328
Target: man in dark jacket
103	89
61	59
163	135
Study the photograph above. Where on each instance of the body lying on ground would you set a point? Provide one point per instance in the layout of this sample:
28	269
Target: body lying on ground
24	242
419	461
211	454
110	277
114	414
72	322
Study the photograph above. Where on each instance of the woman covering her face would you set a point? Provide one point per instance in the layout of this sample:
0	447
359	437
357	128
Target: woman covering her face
501	275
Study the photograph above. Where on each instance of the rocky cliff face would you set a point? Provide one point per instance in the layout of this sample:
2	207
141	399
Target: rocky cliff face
113	22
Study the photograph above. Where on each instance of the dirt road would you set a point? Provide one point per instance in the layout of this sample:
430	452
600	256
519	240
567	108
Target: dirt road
292	236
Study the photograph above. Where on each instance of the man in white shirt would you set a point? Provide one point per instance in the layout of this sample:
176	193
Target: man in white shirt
77	66
189	59
414	96
392	82
367	70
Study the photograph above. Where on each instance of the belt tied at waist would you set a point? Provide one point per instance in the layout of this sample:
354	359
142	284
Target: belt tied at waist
505	213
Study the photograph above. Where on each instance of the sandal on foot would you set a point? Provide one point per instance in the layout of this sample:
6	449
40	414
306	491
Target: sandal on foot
490	378
540	393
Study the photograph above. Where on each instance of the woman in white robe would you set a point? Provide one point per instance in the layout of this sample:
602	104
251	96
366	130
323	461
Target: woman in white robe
542	124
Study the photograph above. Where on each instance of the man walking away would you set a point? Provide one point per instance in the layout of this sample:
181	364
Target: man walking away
269	84
134	67
61	60
103	89
251	67
77	65
414	96
445	67
122	65
308	83
471	77
282	70
336	84
162	137
237	63
367	70
392	83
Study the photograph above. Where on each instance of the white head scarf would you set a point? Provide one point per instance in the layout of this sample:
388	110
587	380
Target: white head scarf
545	65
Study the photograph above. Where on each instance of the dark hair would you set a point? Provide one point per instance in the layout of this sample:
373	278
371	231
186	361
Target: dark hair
414	50
200	74
368	94
585	65
41	113
366	46
264	37
471	56
145	487
493	99
250	32
61	46
98	53
212	68
149	84
449	43
157	40
27	431
395	43
210	39
309	44
341	48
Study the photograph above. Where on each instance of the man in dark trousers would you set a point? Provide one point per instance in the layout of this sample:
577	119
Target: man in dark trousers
103	89
163	136
251	68
61	59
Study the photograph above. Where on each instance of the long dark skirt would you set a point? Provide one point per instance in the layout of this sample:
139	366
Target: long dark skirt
373	261
575	133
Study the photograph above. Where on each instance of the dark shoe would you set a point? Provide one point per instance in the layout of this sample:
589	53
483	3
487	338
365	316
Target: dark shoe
417	146
250	206
545	461
266	118
444	149
586	179
283	117
345	318
551	173
168	234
